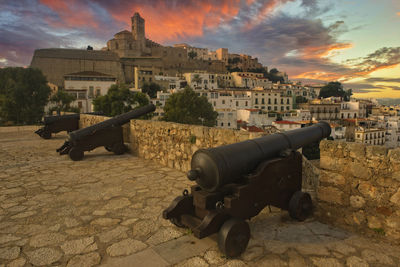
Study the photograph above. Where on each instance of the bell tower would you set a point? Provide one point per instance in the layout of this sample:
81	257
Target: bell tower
138	27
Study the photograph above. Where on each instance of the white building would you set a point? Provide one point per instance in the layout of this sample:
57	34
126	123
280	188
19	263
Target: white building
254	117
227	118
352	110
372	136
286	125
272	100
87	85
201	81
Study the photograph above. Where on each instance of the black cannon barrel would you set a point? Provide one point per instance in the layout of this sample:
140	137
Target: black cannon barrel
117	120
51	119
214	167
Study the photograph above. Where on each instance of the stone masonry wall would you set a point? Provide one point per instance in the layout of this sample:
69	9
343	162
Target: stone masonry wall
359	188
172	144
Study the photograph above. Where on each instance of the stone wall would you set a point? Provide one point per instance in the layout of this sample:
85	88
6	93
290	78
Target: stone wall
172	144
359	188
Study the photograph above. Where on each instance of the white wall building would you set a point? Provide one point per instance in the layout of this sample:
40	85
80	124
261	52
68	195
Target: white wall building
286	125
227	118
87	85
352	110
201	81
254	117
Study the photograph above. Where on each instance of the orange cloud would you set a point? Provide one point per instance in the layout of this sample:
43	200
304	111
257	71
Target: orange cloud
73	14
398	13
266	8
166	22
324	51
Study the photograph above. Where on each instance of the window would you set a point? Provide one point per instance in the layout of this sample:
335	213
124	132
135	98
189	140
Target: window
269	101
223	102
269	107
262	101
256	101
237	103
287	101
246	104
276	108
229	124
222	124
97	92
282	108
281	101
275	101
91	91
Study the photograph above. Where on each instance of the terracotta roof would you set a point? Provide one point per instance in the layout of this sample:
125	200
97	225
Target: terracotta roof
253	129
286	122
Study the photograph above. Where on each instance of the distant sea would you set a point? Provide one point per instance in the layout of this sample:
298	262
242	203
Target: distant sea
388	101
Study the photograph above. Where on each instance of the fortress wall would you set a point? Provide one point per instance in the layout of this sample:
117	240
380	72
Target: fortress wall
359	188
55	68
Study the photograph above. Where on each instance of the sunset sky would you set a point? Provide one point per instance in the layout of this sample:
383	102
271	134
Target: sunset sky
354	41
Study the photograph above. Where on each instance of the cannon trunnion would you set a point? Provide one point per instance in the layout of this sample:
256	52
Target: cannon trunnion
230	189
107	133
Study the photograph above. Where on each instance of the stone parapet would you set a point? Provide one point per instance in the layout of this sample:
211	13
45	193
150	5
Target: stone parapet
359	188
172	144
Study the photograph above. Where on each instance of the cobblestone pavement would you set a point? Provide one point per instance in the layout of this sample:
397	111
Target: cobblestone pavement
107	209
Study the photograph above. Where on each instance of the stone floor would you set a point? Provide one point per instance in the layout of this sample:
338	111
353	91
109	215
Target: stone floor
107	209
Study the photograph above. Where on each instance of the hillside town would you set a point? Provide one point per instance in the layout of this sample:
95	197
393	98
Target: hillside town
244	93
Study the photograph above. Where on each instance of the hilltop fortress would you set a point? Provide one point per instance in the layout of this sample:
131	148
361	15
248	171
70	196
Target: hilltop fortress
130	50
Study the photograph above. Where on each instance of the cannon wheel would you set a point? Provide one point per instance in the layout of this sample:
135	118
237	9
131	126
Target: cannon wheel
76	154
233	237
108	148
46	135
300	206
118	148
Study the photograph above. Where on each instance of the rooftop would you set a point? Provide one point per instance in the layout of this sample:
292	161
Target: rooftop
107	210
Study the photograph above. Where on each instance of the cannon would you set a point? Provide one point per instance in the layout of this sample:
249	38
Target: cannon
107	133
235	182
56	124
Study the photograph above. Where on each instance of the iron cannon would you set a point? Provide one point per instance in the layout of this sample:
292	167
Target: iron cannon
235	182
107	133
56	124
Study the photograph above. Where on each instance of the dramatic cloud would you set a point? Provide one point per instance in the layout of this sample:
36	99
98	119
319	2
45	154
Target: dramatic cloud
301	43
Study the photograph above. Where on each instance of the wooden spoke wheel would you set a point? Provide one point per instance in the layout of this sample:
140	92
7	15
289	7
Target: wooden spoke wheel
46	135
300	206
233	237
118	148
76	154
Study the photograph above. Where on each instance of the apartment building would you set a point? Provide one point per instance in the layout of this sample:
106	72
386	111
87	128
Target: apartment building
372	136
86	86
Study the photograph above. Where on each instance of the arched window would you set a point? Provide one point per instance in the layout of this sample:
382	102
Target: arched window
116	46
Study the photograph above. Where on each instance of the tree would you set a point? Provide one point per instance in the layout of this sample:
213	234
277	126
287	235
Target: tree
119	99
335	89
274	76
197	79
192	54
23	94
62	101
151	89
301	99
189	108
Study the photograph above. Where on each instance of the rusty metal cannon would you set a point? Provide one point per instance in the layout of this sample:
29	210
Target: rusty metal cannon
235	182
106	133
56	124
